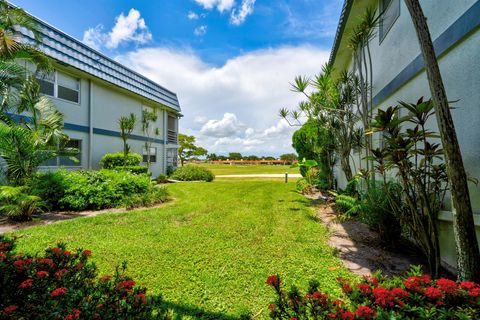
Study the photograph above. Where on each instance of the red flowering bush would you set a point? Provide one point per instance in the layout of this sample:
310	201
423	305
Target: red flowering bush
415	296
64	285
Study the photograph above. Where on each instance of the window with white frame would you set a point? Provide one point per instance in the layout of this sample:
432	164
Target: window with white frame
70	154
389	12
60	85
152	154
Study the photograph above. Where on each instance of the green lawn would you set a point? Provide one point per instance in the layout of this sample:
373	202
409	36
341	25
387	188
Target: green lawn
220	169
209	251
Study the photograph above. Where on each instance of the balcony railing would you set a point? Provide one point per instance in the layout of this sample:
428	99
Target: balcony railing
172	137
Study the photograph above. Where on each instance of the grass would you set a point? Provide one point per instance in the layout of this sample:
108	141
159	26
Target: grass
210	251
223	169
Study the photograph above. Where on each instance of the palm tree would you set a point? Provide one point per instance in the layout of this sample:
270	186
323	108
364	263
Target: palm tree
468	254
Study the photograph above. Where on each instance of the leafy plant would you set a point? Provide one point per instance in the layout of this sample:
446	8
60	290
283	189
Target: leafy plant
63	284
348	206
416	296
162	178
418	163
17	204
126	125
114	160
192	173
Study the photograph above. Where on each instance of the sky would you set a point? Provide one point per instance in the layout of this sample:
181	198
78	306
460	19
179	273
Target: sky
230	62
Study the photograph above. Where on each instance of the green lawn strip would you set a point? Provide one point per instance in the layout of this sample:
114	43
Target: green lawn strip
226	169
212	248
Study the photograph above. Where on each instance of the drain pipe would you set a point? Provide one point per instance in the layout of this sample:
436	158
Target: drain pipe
90	125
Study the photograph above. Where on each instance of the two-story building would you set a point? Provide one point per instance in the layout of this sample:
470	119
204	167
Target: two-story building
399	75
93	91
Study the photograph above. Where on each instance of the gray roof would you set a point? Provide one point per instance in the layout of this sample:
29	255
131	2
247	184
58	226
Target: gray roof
69	50
347	6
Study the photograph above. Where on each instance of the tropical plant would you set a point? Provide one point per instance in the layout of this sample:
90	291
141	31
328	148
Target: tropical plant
331	105
188	149
468	253
149	117
126	125
418	163
17	204
12	51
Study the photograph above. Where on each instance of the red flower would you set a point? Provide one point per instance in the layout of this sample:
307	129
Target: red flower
141	297
26	284
100	305
79	266
417	283
46	262
42	274
66	253
74	315
474	293
127	285
272	307
60	273
2	256
364	288
273	281
59	292
347	315
21	264
347	288
87	253
468	285
318	297
433	293
56	251
447	286
399	293
4	246
365	312
10	309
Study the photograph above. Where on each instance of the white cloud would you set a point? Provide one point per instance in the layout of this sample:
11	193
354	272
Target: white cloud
130	28
251	88
226	127
220	5
192	15
200	31
238	16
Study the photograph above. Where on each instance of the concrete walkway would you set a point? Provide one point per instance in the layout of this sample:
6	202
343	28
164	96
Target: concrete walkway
256	175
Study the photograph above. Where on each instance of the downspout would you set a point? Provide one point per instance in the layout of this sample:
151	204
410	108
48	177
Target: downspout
90	125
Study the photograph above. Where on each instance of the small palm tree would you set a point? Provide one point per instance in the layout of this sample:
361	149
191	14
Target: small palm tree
126	124
18	205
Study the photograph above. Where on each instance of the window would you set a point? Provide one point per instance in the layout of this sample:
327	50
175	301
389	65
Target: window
60	85
70	155
153	155
172	129
171	158
389	11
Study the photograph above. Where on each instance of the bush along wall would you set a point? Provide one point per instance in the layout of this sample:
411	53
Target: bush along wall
415	296
192	173
95	190
63	284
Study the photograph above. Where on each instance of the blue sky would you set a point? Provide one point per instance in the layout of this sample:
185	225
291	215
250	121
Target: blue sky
230	61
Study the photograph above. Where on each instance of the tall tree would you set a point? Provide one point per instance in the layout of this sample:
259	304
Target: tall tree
468	254
188	149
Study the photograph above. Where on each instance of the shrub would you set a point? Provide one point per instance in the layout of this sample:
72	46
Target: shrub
413	297
63	284
114	160
162	178
102	189
193	173
17	204
303	186
94	190
348	206
50	186
134	169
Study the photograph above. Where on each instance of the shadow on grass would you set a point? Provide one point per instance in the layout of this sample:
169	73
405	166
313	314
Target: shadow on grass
193	312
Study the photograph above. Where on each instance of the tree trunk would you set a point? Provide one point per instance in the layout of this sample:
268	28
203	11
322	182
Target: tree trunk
468	255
